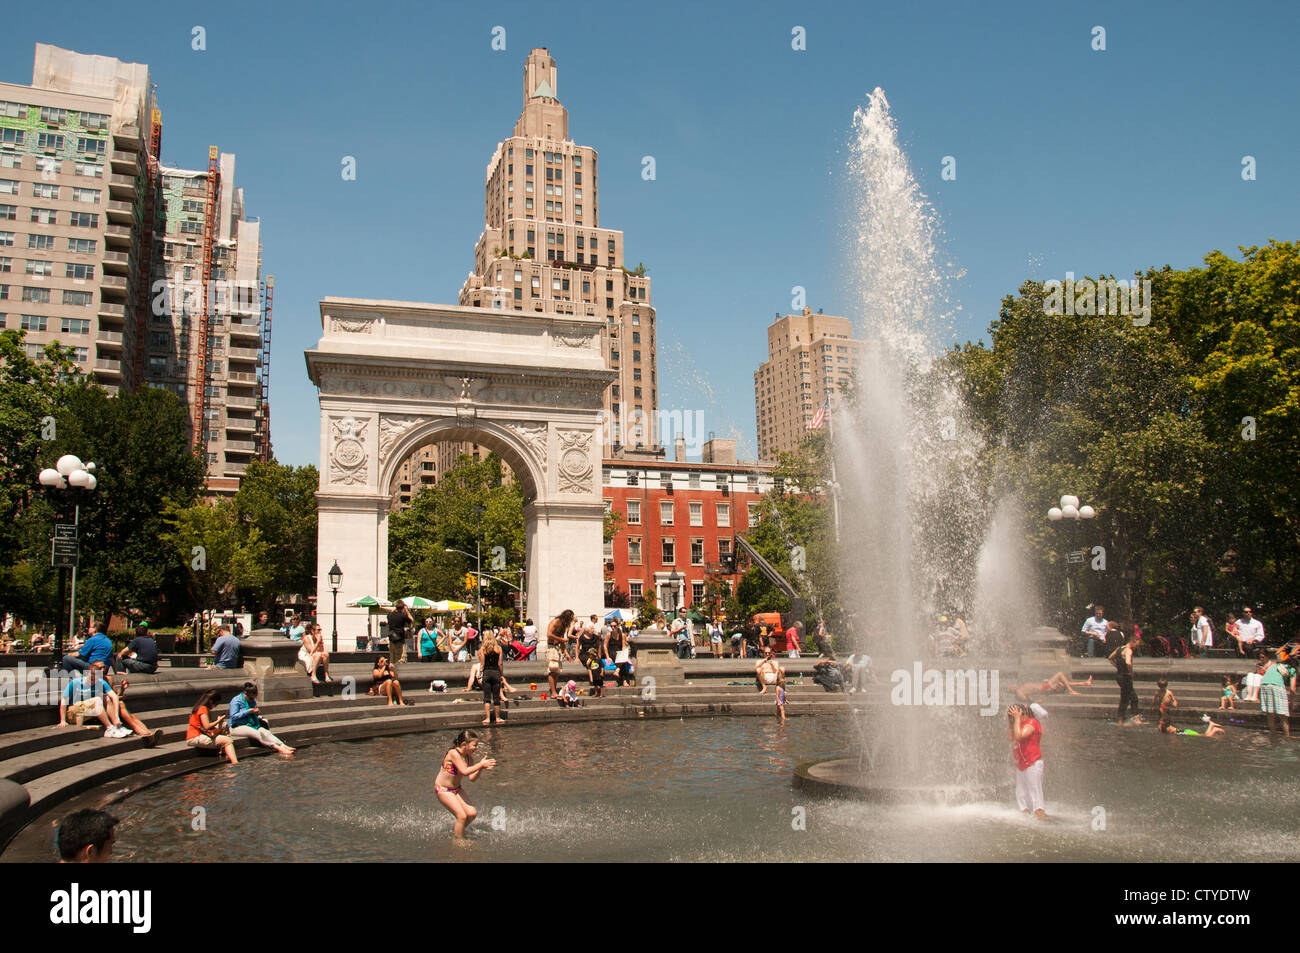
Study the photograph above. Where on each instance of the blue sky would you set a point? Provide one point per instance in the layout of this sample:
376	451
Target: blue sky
1067	159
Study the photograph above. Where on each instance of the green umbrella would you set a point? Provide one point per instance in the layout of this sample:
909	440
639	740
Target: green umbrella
696	616
418	602
373	606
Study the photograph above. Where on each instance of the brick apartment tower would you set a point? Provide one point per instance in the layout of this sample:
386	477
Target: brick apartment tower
810	358
543	251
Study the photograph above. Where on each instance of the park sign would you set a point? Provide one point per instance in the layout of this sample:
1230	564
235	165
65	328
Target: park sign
64	547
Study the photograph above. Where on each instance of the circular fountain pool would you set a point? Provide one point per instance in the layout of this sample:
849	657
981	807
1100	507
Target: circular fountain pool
713	791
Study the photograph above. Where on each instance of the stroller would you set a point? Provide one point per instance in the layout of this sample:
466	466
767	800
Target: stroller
517	650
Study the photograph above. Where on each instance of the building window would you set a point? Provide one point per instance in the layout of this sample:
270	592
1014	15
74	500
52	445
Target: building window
724	514
49	142
81	299
634	512
694	481
753	514
6	239
697	593
697	552
80	271
41	242
74	326
91	144
668	552
36	267
44	216
634	550
697	514
32	322
724	548
635	591
665	512
14	110
39	295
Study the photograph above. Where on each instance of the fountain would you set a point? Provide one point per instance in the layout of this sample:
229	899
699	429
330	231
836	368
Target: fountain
930	540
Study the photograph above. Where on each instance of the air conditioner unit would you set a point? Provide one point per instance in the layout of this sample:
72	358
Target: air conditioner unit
668	487
726	490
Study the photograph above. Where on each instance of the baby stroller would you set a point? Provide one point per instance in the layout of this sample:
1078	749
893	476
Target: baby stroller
518	650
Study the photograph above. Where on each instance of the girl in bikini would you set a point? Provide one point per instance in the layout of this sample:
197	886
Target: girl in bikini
455	766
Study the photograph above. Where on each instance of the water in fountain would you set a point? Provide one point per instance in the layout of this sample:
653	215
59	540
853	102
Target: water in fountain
914	515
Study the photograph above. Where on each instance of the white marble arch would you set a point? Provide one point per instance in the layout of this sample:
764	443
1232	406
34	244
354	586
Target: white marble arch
393	376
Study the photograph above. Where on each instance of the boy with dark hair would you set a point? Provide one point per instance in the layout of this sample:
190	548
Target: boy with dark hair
87	837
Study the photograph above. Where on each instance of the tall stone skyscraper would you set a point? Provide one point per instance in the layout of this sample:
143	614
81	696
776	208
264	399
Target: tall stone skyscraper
543	251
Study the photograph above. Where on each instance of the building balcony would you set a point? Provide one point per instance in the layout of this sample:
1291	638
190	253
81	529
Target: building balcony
240	401
127	137
121	212
246	330
249	354
109	339
109	367
117	236
234	469
241	446
112	285
241	379
110	313
121	186
117	262
241	424
125	162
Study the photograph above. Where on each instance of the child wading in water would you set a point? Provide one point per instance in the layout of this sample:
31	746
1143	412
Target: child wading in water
780	696
455	766
1229	700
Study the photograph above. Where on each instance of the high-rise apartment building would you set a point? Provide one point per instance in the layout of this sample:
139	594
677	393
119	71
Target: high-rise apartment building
73	192
235	424
810	358
543	251
103	250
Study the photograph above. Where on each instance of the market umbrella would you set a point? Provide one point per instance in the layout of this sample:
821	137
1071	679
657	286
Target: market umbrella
374	607
696	616
623	615
450	605
419	602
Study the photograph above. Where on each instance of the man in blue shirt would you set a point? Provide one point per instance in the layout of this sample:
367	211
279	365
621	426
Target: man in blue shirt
89	694
97	648
225	650
1095	629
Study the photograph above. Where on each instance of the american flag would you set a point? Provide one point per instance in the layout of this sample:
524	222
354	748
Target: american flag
820	417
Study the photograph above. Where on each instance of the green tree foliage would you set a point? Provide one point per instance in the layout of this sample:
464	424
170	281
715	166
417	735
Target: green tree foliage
225	557
468	507
139	442
796	535
279	502
1184	434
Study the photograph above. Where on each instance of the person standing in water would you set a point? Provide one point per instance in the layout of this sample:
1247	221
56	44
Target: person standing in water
455	767
1025	732
1122	658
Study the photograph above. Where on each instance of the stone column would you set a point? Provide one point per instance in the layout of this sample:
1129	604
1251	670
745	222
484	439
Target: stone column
564	559
348	529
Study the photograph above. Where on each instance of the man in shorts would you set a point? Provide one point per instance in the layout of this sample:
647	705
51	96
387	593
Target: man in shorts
89	694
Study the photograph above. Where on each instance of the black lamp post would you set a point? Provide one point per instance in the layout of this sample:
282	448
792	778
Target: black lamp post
336	580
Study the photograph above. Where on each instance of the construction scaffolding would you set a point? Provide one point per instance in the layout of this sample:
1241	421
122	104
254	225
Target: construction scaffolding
264	373
202	378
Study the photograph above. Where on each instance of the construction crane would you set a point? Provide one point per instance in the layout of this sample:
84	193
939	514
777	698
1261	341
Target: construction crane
264	406
143	298
201	375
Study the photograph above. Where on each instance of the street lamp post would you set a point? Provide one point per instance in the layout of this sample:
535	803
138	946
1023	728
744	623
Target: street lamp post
69	471
336	580
1070	510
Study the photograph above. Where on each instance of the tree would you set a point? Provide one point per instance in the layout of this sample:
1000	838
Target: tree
280	503
145	466
225	557
32	392
468	508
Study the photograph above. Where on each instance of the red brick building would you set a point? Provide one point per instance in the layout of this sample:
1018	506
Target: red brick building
677	521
